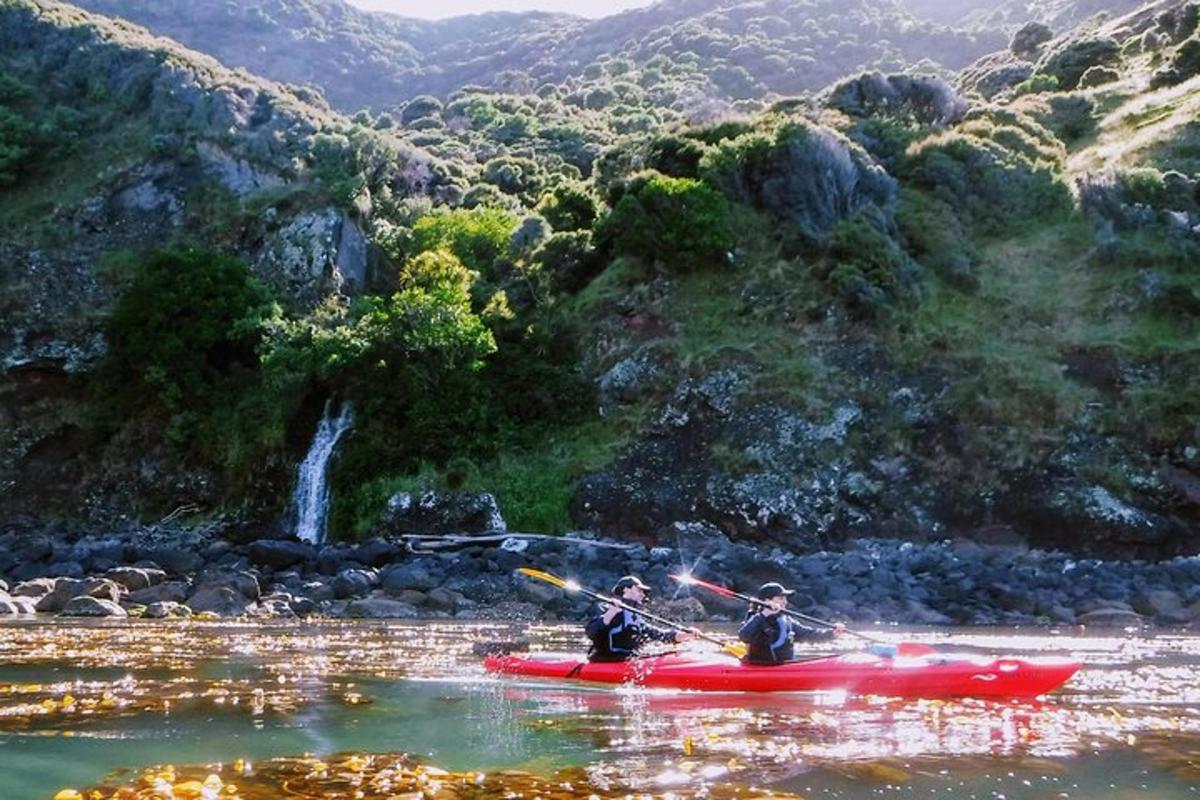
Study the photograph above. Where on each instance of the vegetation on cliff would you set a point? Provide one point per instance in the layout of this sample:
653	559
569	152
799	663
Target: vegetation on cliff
583	283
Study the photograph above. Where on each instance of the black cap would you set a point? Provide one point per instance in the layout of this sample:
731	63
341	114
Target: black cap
768	590
629	582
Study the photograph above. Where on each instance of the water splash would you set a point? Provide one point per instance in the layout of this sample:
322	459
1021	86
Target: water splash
310	502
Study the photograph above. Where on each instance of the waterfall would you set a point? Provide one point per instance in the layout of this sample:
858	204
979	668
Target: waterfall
311	498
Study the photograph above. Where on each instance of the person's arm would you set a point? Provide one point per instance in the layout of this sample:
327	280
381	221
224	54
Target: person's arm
652	633
752	629
598	625
804	633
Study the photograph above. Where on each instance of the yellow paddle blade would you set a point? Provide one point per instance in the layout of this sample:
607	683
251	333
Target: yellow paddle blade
537	574
736	649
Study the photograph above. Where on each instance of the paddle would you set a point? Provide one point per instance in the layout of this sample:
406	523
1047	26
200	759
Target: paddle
733	648
903	648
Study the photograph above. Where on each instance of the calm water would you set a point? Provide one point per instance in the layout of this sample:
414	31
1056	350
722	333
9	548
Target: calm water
80	701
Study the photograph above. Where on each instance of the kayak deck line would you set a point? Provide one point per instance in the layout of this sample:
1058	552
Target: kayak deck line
931	676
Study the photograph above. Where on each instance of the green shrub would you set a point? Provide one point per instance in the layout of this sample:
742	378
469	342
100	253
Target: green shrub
182	333
569	206
866	266
1144	185
477	236
517	176
569	258
1036	84
936	237
32	133
1069	62
677	156
677	222
989	186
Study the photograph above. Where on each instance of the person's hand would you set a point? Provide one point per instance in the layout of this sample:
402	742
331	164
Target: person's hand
686	636
610	614
770	610
839	629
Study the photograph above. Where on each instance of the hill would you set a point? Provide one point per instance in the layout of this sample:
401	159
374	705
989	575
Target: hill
378	61
901	306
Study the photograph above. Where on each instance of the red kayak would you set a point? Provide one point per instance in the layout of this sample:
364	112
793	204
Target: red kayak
927	676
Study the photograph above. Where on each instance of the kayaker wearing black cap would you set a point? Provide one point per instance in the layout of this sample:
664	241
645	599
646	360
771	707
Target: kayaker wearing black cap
617	634
769	634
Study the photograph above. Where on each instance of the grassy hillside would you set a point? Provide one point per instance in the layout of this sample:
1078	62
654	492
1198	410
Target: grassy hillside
618	297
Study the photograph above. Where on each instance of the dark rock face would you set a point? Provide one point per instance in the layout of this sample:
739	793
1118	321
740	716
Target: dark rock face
433	512
810	177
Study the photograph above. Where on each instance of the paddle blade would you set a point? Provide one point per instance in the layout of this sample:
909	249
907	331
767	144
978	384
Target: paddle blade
735	649
537	574
914	649
691	580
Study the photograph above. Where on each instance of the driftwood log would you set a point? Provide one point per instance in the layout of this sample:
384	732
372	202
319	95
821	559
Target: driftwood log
429	543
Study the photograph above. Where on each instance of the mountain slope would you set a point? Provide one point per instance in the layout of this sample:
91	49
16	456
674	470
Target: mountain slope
379	61
126	142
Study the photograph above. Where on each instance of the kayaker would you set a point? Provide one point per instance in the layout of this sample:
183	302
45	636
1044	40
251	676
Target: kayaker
617	634
770	635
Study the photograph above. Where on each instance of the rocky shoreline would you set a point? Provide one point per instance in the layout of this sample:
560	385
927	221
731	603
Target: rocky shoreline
185	572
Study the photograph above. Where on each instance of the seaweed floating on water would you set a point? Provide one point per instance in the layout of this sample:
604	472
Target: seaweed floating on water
394	776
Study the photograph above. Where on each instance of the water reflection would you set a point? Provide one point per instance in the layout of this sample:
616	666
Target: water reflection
187	692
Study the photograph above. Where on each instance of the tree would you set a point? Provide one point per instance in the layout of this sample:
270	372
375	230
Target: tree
186	326
569	206
677	222
476	236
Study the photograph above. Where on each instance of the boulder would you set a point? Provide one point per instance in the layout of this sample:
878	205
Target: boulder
1111	618
442	512
92	607
409	576
377	552
354	583
36	588
167	592
135	578
380	608
684	609
444	599
167	609
244	583
629	380
7	607
922	614
280	554
25	605
807	176
277	604
67	589
174	559
1161	604
303	606
220	600
65	569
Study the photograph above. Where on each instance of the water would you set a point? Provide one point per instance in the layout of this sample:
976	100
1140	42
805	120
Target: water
80	700
311	499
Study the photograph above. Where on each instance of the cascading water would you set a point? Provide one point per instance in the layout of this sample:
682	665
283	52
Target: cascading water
311	499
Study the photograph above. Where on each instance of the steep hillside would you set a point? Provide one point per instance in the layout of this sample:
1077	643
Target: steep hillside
115	142
739	50
899	306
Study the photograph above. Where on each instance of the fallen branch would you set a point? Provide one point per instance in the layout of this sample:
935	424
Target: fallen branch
424	543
